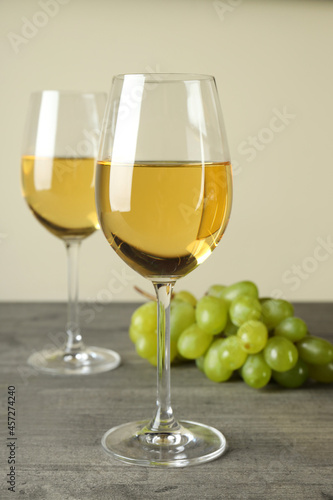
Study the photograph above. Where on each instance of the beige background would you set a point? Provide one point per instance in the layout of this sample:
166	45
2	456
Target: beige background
270	59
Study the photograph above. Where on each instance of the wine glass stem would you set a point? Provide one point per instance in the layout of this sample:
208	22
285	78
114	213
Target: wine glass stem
163	419
74	342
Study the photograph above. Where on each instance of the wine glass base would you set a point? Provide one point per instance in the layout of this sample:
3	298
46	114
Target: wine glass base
89	361
192	443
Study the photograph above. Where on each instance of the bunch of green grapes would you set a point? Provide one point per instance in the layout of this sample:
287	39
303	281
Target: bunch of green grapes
231	330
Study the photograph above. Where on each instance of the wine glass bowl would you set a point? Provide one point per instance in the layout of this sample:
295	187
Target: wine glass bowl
47	183
58	168
163	197
169	232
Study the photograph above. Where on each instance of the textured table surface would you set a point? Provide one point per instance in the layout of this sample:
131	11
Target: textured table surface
280	441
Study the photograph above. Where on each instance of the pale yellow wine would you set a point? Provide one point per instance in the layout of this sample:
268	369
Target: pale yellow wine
163	219
60	192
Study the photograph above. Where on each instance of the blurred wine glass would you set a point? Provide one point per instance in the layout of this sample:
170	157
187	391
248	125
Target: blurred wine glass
58	165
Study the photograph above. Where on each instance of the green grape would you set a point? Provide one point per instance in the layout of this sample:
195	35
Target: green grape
186	296
147	349
216	291
173	350
315	350
211	314
193	342
253	336
200	363
280	354
322	373
212	366
144	319
146	345
244	308
274	311
134	334
175	303
255	372
293	329
231	353
153	360
182	315
292	378
230	329
230	293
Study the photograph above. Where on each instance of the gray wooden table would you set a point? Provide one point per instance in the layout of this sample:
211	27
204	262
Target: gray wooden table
280	441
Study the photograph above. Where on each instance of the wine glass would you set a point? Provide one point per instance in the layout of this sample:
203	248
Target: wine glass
163	196
58	164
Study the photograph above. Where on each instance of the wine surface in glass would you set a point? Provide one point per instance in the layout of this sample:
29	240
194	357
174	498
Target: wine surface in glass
163	218
60	193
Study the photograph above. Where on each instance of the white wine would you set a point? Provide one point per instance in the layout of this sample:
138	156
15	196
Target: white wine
60	193
163	218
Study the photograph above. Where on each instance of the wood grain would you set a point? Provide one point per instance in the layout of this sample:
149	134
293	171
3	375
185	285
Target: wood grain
280	441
